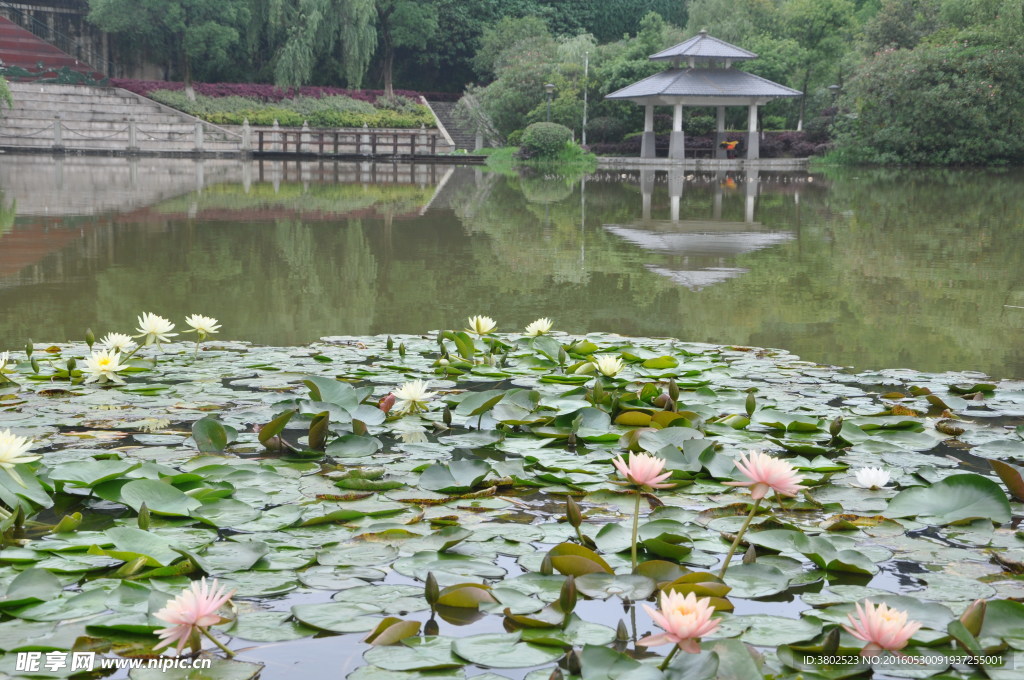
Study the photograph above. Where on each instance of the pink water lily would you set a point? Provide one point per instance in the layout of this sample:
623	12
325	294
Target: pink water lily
767	474
881	628
644	470
685	620
192	612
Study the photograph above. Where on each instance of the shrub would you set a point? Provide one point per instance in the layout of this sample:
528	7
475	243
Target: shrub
605	129
515	138
545	139
699	125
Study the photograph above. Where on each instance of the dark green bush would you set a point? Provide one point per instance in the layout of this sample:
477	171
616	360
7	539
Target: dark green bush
545	139
605	129
515	138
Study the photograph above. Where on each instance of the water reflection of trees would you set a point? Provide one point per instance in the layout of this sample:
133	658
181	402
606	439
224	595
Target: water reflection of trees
886	270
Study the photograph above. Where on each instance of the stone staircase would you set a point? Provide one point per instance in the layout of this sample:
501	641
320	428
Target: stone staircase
20	48
464	139
73	118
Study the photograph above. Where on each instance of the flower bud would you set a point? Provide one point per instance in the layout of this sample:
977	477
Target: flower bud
673	390
750	556
598	392
830	643
72	364
90	338
572	511
974	616
144	517
546	567
430	628
562	356
431	591
622	632
751	404
29	348
35	365
401	350
570	442
446	416
390	343
573	663
836	427
567	597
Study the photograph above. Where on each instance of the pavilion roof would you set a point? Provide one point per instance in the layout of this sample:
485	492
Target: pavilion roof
703	46
703	82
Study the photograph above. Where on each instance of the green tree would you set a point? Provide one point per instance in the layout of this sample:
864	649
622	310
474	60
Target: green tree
5	93
190	36
901	24
403	24
821	28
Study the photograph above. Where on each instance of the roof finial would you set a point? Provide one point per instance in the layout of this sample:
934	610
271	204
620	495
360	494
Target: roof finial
703	32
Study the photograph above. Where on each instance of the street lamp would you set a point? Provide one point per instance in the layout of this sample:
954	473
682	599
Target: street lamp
550	87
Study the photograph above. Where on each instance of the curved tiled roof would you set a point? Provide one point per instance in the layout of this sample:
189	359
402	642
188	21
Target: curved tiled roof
703	46
704	82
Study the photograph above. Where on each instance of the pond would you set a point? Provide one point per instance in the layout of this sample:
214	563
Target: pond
866	268
322	483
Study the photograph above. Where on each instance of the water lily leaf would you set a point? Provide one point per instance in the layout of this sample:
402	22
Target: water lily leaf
703	666
30	586
470	595
459	476
575	560
764	630
953	499
268	627
735	661
130	543
755	580
225	557
1004	619
601	586
672	546
161	498
338	617
389	598
275	426
210	435
576	633
354	446
225	512
1012	476
86	473
334	392
220	669
479	402
391	631
604	663
357	555
503	650
416	654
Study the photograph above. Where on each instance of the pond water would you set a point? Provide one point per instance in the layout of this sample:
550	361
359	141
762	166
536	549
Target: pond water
866	268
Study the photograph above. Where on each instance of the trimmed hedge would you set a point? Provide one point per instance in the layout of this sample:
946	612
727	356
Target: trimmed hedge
786	144
544	139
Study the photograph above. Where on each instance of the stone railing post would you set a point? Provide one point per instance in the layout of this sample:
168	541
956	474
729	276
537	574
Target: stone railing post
133	144
276	144
58	136
246	137
199	137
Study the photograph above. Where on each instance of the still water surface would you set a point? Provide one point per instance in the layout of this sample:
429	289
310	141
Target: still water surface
864	268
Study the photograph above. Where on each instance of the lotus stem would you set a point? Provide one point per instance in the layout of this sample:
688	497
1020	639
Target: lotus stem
664	664
739	537
217	642
636	526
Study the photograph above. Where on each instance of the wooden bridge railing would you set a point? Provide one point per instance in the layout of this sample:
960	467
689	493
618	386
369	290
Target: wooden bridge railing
337	143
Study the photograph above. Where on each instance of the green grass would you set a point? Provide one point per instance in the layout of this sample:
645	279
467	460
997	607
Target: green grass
573	161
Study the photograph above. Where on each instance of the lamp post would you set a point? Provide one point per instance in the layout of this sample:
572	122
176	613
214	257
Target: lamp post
550	87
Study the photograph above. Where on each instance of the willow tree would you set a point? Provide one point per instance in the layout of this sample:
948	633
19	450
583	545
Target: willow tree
302	35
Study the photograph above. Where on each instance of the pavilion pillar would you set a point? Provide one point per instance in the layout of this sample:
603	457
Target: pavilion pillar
646	192
720	133
753	143
647	141
676	143
675	192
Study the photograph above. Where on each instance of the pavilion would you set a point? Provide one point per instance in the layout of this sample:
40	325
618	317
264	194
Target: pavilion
707	80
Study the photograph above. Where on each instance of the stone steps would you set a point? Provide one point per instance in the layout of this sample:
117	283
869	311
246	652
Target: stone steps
102	119
463	138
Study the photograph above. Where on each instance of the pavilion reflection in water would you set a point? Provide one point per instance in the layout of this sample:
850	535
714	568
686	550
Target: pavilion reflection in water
698	253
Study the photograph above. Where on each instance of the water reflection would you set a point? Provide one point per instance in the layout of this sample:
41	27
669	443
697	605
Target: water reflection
879	269
702	251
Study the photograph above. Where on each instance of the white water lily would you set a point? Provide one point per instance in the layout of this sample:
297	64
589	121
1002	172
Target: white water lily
12	452
481	325
4	358
607	364
103	366
118	342
204	325
871	478
154	329
539	327
412	396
